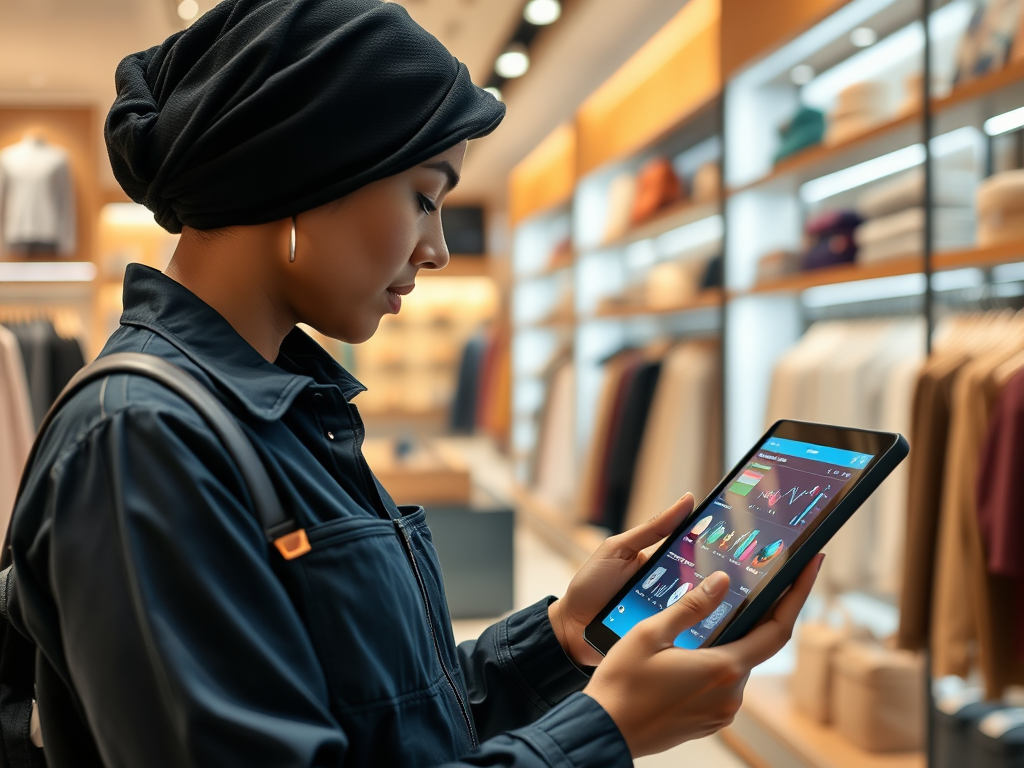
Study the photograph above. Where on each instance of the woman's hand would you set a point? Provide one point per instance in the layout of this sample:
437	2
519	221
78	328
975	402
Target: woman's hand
659	695
603	575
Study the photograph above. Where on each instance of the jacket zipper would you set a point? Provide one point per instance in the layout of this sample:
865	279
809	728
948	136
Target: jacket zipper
433	635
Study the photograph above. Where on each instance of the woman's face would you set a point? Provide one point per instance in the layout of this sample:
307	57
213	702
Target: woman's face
356	257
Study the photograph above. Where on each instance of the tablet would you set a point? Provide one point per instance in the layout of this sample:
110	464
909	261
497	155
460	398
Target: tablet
762	525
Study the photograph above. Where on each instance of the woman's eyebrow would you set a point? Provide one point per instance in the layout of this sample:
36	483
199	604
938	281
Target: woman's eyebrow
446	168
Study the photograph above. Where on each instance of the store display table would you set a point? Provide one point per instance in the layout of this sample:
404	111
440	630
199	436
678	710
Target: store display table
769	733
420	475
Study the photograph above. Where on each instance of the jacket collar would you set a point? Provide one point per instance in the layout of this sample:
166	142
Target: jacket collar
156	302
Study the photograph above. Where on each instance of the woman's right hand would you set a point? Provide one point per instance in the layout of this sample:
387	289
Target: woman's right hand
659	695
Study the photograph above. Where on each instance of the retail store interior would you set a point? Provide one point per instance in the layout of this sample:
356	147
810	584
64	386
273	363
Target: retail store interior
698	217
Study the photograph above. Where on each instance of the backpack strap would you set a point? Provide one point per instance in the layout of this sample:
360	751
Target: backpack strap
278	527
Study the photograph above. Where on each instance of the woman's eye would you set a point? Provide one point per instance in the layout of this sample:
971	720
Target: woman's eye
426	204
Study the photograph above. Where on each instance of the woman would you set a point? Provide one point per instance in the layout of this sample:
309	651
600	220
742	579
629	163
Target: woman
303	149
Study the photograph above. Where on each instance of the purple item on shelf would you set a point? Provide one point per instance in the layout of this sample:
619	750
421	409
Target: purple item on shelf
832	236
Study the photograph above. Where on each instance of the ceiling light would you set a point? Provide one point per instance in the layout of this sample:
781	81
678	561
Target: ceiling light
188	9
801	74
495	92
542	12
862	37
1005	122
512	63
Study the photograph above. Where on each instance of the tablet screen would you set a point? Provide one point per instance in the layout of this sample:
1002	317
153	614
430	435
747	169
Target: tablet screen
764	509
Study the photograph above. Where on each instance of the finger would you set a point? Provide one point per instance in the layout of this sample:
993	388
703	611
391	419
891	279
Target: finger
696	605
765	640
657	528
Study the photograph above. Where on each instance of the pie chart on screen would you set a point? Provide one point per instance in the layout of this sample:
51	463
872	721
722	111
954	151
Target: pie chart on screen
701	526
767	554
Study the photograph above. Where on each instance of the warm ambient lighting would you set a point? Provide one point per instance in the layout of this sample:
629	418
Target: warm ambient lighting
495	92
188	9
542	12
127	214
513	63
862	37
47	271
801	74
1005	122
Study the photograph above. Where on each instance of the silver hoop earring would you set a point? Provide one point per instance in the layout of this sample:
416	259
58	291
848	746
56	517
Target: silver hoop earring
291	251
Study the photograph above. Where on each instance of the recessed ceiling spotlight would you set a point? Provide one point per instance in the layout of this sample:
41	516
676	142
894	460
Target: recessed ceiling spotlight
188	9
801	74
862	37
495	92
513	63
542	12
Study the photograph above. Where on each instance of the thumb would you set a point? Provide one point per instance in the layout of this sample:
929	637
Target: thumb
696	605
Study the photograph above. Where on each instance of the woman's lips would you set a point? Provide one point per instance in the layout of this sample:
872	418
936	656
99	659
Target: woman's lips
395	295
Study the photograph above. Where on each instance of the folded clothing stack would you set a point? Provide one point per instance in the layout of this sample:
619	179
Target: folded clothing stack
859	107
831	237
895	217
1001	209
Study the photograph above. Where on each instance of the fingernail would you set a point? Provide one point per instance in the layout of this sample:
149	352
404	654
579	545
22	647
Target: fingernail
713	582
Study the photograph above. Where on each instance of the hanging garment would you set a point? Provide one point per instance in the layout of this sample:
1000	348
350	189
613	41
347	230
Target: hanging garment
50	362
463	413
681	445
37	198
615	420
959	604
601	427
625	446
955	341
16	424
1001	522
556	475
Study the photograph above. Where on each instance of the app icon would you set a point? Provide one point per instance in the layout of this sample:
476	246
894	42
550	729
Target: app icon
725	541
716	616
745	483
745	542
651	580
701	526
674	597
622	609
767	554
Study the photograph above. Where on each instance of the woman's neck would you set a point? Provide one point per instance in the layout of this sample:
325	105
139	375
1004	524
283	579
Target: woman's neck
231	272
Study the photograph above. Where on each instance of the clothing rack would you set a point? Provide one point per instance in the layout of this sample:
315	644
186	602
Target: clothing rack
67	321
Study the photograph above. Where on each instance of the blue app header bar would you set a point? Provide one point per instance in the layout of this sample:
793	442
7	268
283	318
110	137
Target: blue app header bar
823	453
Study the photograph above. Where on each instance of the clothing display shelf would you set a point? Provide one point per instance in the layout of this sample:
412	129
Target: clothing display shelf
778	207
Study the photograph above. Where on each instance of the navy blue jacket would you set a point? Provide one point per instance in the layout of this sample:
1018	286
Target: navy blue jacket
186	640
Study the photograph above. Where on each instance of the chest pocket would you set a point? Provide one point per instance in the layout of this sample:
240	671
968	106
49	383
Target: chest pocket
366	613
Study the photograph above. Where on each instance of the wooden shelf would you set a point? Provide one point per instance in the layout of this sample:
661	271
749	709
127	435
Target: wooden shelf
711	297
1009	75
820	154
665	220
577	541
769	732
979	257
844	273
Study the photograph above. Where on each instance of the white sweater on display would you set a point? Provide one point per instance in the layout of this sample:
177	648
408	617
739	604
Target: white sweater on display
37	199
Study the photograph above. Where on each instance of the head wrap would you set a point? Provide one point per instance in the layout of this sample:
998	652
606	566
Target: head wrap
266	108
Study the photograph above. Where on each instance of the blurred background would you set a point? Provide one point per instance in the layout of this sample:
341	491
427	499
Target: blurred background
699	216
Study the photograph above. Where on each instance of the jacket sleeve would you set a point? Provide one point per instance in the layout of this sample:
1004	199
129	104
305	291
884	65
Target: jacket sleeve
182	646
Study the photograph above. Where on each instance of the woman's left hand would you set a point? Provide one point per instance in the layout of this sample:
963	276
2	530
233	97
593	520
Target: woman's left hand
603	575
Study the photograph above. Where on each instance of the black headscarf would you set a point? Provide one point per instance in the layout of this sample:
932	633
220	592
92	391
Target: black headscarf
266	108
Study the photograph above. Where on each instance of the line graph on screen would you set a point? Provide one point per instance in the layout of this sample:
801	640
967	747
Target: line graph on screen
793	496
